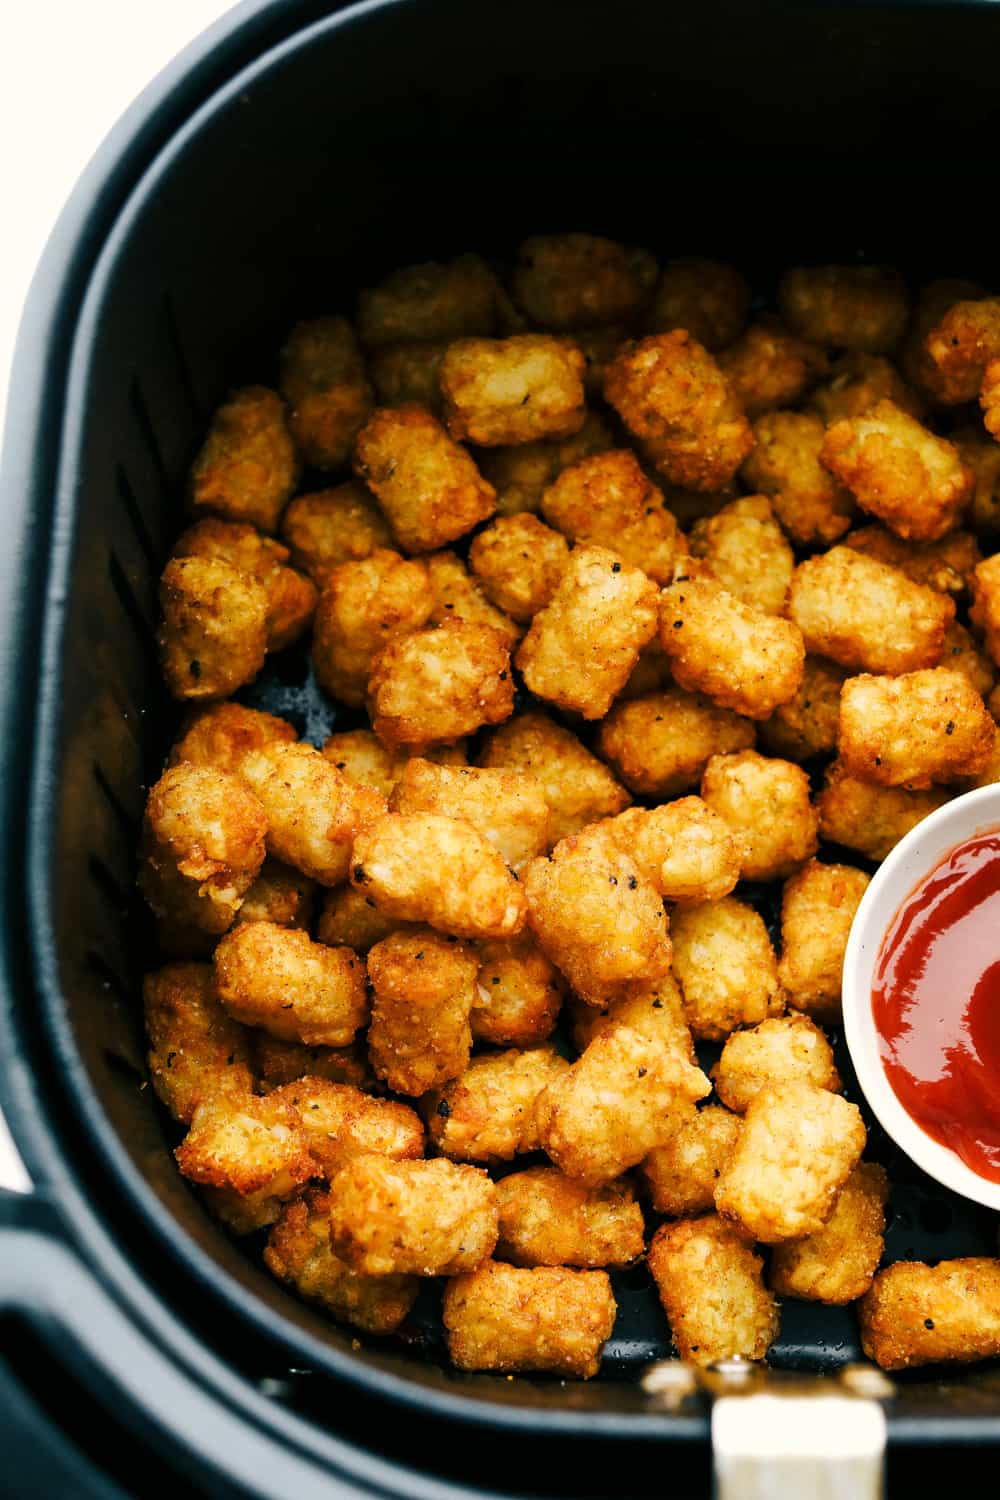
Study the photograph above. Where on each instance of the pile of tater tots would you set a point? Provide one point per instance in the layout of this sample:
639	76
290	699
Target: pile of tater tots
638	592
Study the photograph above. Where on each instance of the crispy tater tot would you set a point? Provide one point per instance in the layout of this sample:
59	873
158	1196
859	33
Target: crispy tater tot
581	648
298	1251
740	657
661	744
707	297
770	367
566	281
836	1264
684	849
221	734
899	471
670	393
548	1219
424	989
870	819
508	807
404	373
596	919
519	561
933	301
779	1050
806	726
351	919
962	654
499	392
857	382
946	565
841	601
314	812
655	1011
784	465
425	867
512	1318
817	909
519	994
440	684
960	347
246	469
279	894
846	307
607	501
712	1289
213	638
460	597
681	1175
329	527
342	1122
620	1099
298	990
915	1314
577	787
725	966
202	846
196	1051
278	1062
746	552
982	455
916	730
428	486
989	398
421	1218
766	805
361	755
291	597
430	301
363	606
521	474
798	1146
488	1112
324	381
250	1154
986	602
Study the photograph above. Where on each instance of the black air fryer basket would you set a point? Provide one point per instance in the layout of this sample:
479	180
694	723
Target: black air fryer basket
296	152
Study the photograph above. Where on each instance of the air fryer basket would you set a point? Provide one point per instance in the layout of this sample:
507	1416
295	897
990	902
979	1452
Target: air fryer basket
374	136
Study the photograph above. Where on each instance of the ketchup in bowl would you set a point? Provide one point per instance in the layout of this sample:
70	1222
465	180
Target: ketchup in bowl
936	1003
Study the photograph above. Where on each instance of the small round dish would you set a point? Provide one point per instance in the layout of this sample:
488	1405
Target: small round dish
912	859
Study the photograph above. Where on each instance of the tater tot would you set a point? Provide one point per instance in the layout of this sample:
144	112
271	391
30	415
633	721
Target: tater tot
986	602
607	501
619	1100
278	1062
499	392
933	301
521	474
440	684
766	805
548	1219
712	1289
424	989
246	469
784	465
430	301
406	373
508	807
596	919
202	846
519	561
460	597
341	1122
746	552
841	601
351	919
670	393
298	1252
429	487
857	382
291	597
577	787
740	657
519	994
916	730
314	812
329	527
725	966
684	849
298	990
681	1175
581	648
361	755
213	638
946	565
915	1314
655	1012
488	1112
806	726
324	381
363	606
846	307
960	347
779	1050
707	297
768	367
661	744
425	867
545	1318
870	819
421	1218
817	909
250	1154
836	1263
565	281
982	455
798	1146
221	734
196	1051
279	894
899	471
989	398
962	654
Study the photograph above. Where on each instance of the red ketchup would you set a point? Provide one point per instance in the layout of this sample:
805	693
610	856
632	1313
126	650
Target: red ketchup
936	1003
